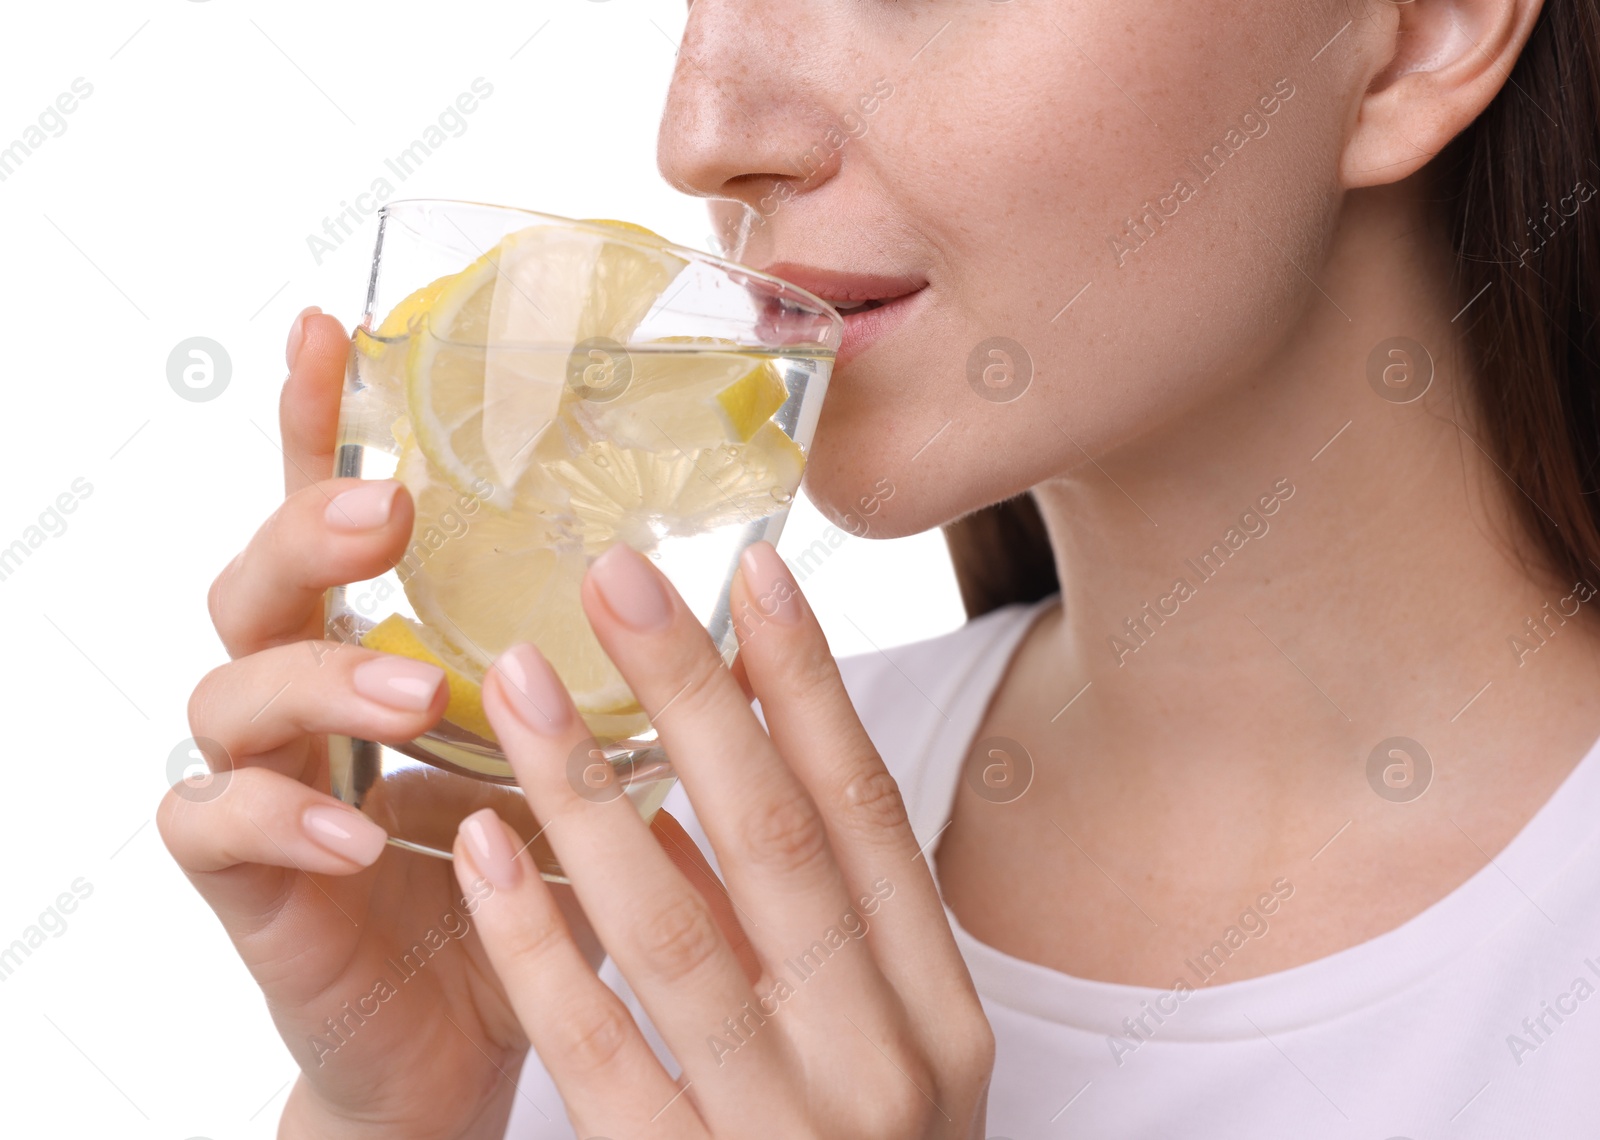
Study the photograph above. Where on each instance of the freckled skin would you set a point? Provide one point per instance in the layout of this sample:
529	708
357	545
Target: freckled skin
1000	167
1204	354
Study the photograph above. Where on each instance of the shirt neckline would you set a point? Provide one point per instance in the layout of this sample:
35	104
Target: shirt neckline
1336	984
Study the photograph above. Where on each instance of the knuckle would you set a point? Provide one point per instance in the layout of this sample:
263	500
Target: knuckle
598	1034
972	1050
199	833
170	822
872	801
204	697
815	669
895	1109
981	1050
536	939
700	689
219	586
810	673
786	833
679	938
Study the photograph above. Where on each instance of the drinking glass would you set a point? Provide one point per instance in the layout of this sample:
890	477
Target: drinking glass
544	387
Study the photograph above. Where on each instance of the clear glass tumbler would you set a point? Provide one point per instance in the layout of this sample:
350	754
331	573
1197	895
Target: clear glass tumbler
544	387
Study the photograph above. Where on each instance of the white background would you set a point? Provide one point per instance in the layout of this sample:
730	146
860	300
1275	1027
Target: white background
177	203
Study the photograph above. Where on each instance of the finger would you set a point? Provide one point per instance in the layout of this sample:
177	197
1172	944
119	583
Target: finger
252	815
767	832
657	928
330	534
692	863
684	854
608	1076
308	409
259	846
269	699
812	722
239	839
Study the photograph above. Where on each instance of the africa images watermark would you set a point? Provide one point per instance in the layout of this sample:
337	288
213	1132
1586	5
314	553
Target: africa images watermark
1537	1029
448	525
752	617
453	924
51	921
853	524
1140	628
850	125
1540	233
852	926
1538	630
51	123
1206	965
1151	219
450	123
51	523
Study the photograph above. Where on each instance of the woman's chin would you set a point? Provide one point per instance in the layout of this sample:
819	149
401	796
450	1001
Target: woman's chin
867	504
873	489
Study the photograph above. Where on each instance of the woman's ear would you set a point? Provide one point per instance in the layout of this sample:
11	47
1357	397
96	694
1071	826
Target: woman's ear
1449	60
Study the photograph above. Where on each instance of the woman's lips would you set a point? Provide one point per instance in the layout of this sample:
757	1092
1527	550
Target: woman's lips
887	300
867	326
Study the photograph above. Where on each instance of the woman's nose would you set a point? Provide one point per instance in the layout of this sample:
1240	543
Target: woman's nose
747	112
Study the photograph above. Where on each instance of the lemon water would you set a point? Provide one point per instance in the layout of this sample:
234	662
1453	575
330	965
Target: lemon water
688	456
572	385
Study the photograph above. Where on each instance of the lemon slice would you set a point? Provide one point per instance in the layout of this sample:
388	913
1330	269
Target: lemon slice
521	473
642	496
407	314
446	397
750	402
631	227
396	634
374	407
486	375
669	403
481	580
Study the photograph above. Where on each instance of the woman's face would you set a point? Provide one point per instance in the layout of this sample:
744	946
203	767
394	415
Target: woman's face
1092	214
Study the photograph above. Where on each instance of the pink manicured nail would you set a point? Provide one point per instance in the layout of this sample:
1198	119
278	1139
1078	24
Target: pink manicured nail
770	584
297	335
366	507
532	690
490	848
398	682
631	588
345	832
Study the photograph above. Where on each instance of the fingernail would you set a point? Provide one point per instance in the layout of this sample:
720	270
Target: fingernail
631	588
398	682
770	583
490	848
366	507
533	691
345	832
297	334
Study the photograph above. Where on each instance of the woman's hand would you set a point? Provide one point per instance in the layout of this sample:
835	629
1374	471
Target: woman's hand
321	912
863	1021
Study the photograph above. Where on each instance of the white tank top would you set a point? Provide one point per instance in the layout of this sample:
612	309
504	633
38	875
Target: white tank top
1479	1017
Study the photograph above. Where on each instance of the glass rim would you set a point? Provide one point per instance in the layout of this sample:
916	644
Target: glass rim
629	237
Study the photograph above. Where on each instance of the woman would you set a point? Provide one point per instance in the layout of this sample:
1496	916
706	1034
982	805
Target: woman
1273	818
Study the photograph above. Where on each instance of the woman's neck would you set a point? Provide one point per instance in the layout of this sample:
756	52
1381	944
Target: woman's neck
1306	559
1255	604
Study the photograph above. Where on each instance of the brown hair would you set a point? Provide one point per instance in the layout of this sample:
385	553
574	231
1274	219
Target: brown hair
1525	267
